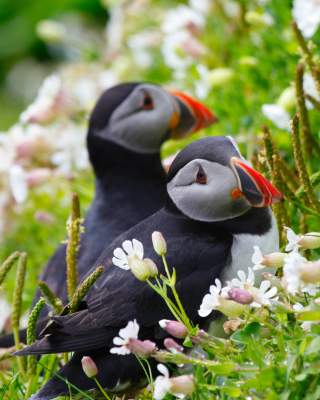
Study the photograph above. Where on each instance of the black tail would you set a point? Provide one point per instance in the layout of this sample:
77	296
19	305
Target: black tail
8	340
117	374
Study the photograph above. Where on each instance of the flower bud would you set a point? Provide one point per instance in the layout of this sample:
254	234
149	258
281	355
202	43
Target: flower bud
173	346
267	276
138	268
310	241
287	99
175	328
203	334
50	31
274	260
159	244
153	269
220	76
310	272
182	385
254	19
142	349
240	296
277	306
230	308
248	61
89	367
37	176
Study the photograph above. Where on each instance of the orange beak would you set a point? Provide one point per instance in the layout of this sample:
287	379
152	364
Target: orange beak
255	188
190	115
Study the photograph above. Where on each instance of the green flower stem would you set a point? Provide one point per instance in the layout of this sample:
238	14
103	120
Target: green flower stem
83	289
30	383
73	229
316	75
105	394
309	210
301	166
315	103
53	300
304	47
6	266
50	366
149	377
185	319
261	321
16	308
315	180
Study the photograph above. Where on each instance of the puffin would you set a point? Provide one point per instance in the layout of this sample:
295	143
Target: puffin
127	127
216	210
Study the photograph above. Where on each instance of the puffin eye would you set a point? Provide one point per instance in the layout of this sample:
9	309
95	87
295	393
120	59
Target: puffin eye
147	102
201	176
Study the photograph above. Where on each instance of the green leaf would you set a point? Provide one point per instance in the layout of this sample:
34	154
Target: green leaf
194	331
281	344
256	352
314	306
302	347
308	316
313	347
269	378
243	335
187	342
222	369
271	396
315	329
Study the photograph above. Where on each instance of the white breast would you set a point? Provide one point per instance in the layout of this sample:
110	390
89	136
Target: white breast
242	251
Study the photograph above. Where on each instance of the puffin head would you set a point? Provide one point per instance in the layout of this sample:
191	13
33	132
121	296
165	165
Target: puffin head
209	180
141	116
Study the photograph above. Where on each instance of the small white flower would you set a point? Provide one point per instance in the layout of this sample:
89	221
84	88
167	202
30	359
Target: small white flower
210	301
307	15
264	295
306	325
162	383
182	17
134	248
293	239
243	279
278	115
129	332
18	183
257	259
309	86
298	307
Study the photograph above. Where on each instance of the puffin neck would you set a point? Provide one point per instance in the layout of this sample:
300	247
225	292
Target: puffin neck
257	221
116	167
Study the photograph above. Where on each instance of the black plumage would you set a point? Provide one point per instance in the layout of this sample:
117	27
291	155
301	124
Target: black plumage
199	251
130	184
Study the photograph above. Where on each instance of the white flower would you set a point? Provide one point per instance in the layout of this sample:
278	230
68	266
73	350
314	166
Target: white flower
18	183
210	301
306	325
243	280
264	295
134	248
172	50
129	332
307	15
298	307
278	115
309	86
293	239
257	259
182	17
162	383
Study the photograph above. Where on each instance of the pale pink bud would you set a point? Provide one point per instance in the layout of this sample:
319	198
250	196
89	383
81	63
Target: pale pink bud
25	148
193	47
141	349
175	328
240	296
173	346
203	334
182	385
310	272
159	244
37	176
310	241
44	217
89	367
274	260
153	269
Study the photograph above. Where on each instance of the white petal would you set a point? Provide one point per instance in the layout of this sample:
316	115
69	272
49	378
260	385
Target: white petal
118	341
120	263
138	248
204	313
278	115
127	246
130	331
236	282
264	286
119	253
251	277
218	285
255	304
298	307
258	267
257	257
18	183
163	369
270	293
120	350
161	387
242	275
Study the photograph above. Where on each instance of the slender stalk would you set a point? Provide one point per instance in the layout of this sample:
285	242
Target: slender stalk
30	382
304	47
261	321
100	387
53	300
6	266
18	347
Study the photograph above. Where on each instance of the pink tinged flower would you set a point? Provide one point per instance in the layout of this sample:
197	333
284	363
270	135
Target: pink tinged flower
240	296
142	349
203	334
293	239
174	328
18	183
310	272
307	15
173	346
89	367
179	386
261	261
278	115
37	176
134	248
125	334
44	217
263	297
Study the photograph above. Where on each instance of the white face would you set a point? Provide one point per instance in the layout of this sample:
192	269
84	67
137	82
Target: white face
138	126
210	201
